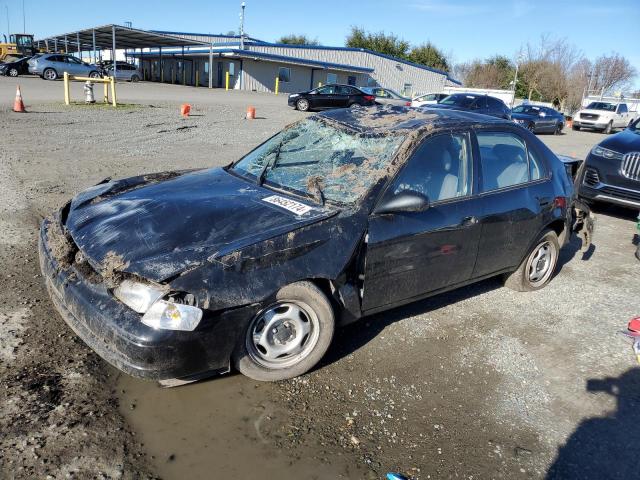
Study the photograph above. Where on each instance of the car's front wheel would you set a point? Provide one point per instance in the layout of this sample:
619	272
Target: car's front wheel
288	337
538	267
13	72
94	74
607	130
302	104
135	78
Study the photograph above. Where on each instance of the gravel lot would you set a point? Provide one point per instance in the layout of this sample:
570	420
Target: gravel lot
482	382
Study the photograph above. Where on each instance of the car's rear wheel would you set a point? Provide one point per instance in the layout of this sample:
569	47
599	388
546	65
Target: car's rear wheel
354	105
94	74
607	130
537	269
302	104
50	74
13	72
531	127
135	78
558	129
288	337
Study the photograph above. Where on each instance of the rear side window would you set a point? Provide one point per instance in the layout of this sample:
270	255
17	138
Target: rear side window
622	108
504	160
440	168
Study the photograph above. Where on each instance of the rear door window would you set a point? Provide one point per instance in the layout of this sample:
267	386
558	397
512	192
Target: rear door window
504	160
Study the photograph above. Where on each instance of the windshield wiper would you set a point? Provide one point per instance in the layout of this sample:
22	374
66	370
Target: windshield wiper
269	165
314	185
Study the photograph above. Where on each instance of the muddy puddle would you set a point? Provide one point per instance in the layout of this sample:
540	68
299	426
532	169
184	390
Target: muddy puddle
227	427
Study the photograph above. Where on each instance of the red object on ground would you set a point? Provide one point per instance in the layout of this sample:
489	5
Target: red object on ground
18	104
634	325
185	109
251	113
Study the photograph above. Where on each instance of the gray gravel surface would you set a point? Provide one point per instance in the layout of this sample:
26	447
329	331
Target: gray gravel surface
482	382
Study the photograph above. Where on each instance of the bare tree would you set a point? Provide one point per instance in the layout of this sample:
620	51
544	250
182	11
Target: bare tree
612	72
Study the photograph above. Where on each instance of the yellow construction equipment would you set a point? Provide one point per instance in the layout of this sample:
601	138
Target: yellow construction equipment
19	45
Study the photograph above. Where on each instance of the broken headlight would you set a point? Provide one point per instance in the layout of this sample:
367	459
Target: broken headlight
138	296
172	316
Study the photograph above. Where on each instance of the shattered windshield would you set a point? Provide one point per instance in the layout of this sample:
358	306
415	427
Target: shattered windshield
321	160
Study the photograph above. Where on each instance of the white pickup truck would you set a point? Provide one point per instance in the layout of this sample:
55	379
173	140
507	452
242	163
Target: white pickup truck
604	116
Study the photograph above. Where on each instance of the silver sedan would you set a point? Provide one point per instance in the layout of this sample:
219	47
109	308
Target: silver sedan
386	96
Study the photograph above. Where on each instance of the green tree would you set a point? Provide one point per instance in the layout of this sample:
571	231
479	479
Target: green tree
294	39
378	42
429	55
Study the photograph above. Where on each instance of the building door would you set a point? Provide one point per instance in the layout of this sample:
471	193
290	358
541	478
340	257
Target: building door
220	72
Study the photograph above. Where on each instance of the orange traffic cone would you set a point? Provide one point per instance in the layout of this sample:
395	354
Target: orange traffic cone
185	110
18	104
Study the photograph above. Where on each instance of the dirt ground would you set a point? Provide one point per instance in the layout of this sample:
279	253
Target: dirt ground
481	382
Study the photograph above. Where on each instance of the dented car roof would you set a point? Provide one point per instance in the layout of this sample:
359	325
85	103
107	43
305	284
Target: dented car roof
388	119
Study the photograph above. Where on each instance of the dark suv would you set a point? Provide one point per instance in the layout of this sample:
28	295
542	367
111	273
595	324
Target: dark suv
611	172
331	96
475	103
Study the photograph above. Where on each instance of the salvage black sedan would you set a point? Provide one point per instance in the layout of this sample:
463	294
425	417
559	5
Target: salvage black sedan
15	67
343	214
331	96
538	119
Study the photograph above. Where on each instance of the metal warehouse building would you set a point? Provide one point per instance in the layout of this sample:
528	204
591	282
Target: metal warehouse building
246	63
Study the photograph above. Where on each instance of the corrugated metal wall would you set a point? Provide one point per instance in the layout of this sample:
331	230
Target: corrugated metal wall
387	72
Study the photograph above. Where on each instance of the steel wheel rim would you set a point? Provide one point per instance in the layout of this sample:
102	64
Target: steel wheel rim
541	263
283	334
303	104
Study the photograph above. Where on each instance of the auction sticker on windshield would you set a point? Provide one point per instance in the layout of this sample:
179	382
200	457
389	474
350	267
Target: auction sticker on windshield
288	204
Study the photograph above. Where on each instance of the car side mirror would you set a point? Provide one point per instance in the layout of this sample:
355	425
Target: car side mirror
405	201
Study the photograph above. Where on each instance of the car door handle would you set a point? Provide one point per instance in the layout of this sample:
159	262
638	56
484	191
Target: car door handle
469	221
544	201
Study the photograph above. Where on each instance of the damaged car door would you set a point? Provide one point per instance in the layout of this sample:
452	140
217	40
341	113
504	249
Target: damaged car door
415	249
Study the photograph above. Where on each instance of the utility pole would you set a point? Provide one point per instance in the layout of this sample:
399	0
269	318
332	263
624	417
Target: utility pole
242	26
8	25
24	19
515	80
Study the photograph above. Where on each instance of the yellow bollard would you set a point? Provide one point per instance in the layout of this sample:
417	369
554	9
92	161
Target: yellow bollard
277	84
113	91
66	88
226	81
105	99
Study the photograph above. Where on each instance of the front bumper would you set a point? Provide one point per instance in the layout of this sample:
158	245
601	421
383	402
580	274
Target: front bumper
595	124
116	333
601	180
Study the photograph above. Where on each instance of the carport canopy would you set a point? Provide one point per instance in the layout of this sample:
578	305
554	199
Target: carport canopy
112	37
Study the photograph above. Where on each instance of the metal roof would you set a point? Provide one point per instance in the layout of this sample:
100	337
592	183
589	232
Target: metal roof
250	54
126	37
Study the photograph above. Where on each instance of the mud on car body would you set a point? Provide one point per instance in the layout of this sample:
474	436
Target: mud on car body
343	214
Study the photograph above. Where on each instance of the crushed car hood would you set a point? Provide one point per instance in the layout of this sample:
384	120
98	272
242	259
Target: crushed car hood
158	226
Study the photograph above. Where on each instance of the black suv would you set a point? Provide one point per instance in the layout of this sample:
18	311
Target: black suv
331	96
474	103
611	172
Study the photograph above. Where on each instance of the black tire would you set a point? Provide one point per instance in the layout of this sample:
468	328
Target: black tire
354	105
522	280
94	74
558	129
574	127
302	104
531	127
607	130
135	78
250	360
13	72
50	74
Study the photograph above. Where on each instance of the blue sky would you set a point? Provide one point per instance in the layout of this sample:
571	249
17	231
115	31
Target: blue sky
466	29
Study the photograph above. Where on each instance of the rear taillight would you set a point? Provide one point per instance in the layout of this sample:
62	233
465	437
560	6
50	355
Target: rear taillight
407	104
560	202
369	98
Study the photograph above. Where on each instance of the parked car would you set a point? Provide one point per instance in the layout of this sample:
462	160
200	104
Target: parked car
538	119
338	216
386	96
331	96
126	72
428	99
604	116
471	102
15	68
51	66
611	171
